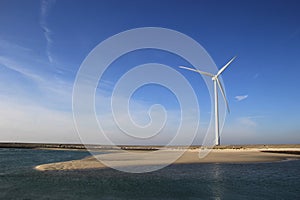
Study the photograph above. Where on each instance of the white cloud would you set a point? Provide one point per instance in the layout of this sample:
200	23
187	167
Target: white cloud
45	7
138	114
24	122
15	66
45	88
13	47
242	130
240	98
28	117
247	121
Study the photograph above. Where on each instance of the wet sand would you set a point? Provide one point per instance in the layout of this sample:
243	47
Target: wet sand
144	158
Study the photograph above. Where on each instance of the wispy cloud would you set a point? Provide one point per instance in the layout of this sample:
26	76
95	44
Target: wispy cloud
247	121
15	66
13	47
241	97
24	122
45	8
242	130
45	87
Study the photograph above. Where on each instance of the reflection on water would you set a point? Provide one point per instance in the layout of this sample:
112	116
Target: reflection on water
18	180
218	177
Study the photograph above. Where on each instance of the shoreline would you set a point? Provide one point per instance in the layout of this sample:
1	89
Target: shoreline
59	146
120	159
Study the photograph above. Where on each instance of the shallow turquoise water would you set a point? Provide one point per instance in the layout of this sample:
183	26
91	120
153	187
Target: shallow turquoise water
18	180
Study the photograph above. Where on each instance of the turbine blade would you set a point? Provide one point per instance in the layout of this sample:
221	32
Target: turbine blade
223	94
225	66
196	70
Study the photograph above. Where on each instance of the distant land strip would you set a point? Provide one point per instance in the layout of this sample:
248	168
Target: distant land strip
41	145
76	146
149	147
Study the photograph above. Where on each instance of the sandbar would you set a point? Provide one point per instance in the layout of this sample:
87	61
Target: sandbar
190	156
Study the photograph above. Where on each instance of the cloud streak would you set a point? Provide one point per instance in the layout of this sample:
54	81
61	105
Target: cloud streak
45	8
9	47
45	87
15	66
241	98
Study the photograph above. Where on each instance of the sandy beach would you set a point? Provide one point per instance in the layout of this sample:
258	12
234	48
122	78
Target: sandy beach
191	156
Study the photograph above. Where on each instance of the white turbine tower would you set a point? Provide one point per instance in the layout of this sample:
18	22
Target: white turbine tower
216	82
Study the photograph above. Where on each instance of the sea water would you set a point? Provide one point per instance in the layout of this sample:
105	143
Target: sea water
19	180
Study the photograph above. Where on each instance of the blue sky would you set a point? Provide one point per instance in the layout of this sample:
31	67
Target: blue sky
43	43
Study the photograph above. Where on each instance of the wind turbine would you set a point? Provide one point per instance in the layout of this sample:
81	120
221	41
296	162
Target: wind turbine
216	82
